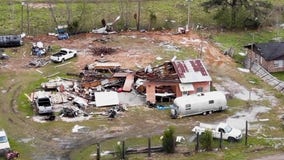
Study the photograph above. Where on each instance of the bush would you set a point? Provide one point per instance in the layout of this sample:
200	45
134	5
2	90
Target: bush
168	140
206	140
118	150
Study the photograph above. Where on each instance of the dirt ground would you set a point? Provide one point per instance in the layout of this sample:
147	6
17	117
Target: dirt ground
131	56
127	55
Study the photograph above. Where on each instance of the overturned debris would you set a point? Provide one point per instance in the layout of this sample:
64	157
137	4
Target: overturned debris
39	49
102	50
59	84
69	112
38	62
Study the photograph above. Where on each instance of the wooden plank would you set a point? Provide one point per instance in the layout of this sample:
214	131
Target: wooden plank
150	92
128	83
91	84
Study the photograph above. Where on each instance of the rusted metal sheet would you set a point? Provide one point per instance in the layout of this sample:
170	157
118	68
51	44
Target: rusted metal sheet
190	71
128	83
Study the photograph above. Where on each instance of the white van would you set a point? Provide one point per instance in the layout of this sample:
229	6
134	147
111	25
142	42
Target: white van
200	103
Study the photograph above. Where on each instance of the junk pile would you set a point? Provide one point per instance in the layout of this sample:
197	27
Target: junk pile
38	49
38	62
3	55
103	84
102	50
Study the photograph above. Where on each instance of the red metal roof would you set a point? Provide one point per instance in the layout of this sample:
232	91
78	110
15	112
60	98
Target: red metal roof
191	71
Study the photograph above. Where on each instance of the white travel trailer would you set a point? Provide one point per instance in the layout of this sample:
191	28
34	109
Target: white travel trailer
200	103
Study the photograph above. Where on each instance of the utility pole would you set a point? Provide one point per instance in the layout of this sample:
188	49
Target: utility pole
138	15
28	17
188	14
22	16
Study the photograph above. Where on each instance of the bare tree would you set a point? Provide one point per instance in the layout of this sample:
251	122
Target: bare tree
68	3
51	9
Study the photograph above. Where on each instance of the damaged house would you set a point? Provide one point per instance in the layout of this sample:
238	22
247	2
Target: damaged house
269	55
174	79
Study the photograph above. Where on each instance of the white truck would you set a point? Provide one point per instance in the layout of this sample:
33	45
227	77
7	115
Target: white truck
63	55
228	133
4	143
42	103
199	103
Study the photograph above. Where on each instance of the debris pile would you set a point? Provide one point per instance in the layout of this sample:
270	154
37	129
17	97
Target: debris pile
38	49
103	84
38	62
102	50
3	55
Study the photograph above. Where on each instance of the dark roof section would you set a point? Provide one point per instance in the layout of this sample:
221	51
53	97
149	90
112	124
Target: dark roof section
269	51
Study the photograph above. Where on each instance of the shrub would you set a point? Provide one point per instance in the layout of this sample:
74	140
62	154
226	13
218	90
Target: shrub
168	140
206	140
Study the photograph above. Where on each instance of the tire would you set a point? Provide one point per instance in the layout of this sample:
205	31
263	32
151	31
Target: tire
75	55
204	113
231	139
210	112
63	60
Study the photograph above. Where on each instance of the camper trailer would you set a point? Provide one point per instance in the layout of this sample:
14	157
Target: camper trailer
11	40
200	103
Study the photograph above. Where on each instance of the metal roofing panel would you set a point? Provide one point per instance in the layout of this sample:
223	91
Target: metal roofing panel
106	99
191	71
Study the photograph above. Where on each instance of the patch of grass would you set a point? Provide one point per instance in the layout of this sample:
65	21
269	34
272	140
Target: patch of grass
237	40
279	75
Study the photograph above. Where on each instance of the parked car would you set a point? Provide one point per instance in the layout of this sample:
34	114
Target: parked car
4	143
42	103
63	54
228	133
62	33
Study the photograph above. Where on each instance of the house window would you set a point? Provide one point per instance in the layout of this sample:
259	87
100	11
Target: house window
211	101
278	63
199	89
188	107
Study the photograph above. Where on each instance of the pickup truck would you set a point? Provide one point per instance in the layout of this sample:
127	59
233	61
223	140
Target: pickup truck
63	55
4	143
228	133
42	103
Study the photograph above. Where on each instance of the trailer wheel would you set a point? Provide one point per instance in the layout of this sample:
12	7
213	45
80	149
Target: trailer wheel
210	112
204	113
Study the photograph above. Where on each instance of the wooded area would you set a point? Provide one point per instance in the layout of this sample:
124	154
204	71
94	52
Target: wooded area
38	17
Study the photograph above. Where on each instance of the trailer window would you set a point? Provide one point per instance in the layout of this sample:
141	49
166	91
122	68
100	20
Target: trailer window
188	107
211	101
